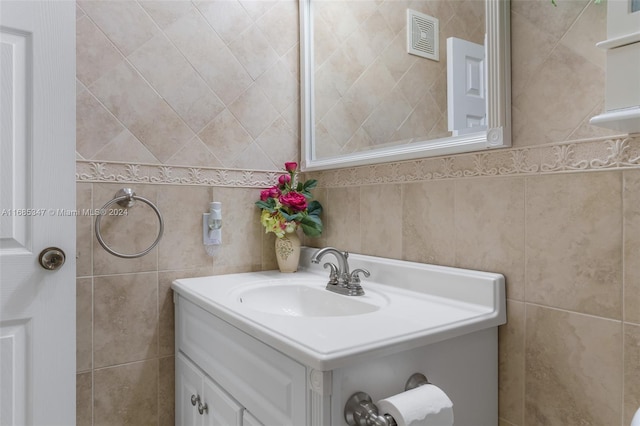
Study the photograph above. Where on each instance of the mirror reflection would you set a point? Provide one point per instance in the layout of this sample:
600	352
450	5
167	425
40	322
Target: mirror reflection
370	92
388	80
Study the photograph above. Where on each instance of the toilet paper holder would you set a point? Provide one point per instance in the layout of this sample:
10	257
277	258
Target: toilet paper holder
361	411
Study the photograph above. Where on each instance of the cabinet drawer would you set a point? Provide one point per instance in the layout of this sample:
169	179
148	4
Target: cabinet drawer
269	384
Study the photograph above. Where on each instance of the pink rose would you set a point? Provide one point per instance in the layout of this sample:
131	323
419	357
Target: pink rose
284	179
272	192
291	166
295	200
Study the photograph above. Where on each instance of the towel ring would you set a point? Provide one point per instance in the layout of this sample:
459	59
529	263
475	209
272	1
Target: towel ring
127	198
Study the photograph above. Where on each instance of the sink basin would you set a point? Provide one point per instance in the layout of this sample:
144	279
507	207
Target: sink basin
300	300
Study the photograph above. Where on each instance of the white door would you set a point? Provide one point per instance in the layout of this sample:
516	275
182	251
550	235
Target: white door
37	188
466	87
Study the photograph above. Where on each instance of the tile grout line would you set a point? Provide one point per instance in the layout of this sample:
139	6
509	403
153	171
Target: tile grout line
623	279
524	299
524	362
91	232
92	351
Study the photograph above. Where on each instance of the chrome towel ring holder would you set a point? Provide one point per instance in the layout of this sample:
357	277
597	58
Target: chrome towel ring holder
126	198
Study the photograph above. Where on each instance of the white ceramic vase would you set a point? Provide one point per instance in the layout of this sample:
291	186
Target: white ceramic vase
288	252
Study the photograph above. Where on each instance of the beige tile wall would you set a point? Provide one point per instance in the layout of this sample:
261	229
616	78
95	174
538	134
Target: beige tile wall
207	83
125	337
199	84
557	73
175	83
569	352
566	243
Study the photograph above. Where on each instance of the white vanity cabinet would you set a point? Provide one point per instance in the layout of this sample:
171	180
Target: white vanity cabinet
235	374
199	401
279	349
249	420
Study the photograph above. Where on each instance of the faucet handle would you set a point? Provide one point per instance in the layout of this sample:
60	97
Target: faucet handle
333	274
353	286
355	278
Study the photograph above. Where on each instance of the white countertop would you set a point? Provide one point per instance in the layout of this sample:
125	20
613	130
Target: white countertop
418	305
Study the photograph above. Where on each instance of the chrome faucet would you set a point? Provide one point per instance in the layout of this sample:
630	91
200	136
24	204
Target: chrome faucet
340	280
343	264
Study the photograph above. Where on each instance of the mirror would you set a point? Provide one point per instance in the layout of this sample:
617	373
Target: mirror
366	100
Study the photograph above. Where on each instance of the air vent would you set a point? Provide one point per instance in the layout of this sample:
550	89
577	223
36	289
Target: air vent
422	35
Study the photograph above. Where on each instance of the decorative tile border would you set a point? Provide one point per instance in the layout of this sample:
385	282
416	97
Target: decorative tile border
589	155
106	172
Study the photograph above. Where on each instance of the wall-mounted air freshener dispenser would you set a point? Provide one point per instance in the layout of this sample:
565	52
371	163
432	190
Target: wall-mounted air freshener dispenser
212	228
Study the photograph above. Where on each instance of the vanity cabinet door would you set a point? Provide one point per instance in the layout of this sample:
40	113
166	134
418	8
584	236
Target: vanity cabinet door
222	409
188	385
249	420
269	384
195	392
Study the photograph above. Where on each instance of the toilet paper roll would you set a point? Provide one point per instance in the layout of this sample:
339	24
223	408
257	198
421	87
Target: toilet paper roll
426	405
636	419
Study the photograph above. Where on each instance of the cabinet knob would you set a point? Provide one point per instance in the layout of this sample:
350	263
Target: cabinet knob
203	408
195	400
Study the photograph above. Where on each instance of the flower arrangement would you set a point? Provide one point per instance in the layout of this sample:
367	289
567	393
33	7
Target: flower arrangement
287	205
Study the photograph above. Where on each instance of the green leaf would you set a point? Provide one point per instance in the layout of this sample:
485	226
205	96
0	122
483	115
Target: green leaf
291	217
311	226
270	205
305	190
314	208
310	184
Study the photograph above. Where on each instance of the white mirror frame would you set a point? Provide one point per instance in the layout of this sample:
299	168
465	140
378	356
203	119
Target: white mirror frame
498	135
